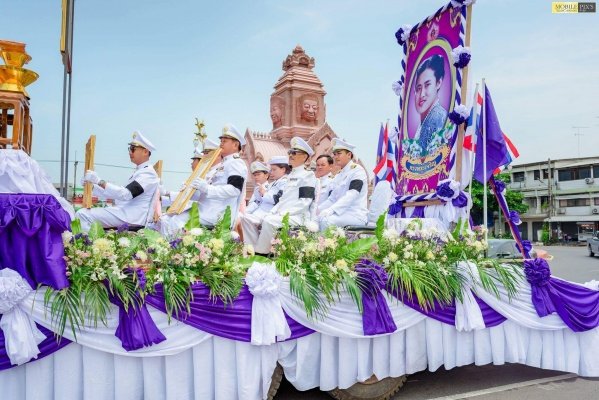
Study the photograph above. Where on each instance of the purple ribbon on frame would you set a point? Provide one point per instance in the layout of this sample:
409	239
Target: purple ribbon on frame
577	306
446	193
376	316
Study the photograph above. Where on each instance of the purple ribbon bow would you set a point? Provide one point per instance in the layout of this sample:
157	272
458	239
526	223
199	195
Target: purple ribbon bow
376	316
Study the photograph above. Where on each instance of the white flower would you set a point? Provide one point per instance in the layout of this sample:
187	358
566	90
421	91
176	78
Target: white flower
102	246
196	232
407	255
390	233
430	255
340	232
188	240
66	238
216	245
248	249
124	242
234	235
141	255
312	226
392	257
397	87
301	236
341	265
330	243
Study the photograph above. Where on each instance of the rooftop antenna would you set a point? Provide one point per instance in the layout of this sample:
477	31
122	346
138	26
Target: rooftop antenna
578	135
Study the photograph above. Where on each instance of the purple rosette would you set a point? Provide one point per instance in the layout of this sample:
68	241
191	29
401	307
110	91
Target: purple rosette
499	186
444	191
461	201
537	271
515	217
463	60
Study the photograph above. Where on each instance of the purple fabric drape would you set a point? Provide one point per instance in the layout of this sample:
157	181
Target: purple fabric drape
418	212
136	327
376	316
31	227
231	321
576	305
446	312
47	347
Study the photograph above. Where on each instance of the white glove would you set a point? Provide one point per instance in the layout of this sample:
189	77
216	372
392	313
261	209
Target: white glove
199	184
182	187
91	176
325	213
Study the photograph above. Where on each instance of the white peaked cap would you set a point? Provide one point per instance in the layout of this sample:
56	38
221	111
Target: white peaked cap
279	160
210	145
197	154
298	143
339	144
230	131
142	141
259	166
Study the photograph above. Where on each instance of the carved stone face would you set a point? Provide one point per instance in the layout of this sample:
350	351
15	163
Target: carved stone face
276	115
309	110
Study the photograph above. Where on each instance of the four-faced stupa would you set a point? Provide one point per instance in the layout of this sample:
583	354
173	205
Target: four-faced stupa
297	108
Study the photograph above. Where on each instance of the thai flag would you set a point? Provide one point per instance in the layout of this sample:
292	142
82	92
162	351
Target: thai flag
471	127
386	162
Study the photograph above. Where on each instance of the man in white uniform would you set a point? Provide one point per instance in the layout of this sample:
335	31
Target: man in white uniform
324	173
222	187
225	187
347	203
255	212
132	202
296	199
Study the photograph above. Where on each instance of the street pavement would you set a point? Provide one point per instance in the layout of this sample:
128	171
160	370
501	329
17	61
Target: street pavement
504	382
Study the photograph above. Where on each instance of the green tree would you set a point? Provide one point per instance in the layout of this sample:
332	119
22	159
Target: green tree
514	200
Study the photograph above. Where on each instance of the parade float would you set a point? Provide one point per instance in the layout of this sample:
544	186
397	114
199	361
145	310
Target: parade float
132	315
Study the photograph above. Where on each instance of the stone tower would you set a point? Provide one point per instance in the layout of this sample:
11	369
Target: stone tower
297	105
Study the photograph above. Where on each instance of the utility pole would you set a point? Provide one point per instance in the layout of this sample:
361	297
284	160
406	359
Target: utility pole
578	134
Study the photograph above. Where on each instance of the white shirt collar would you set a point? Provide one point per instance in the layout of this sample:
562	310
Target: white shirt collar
143	165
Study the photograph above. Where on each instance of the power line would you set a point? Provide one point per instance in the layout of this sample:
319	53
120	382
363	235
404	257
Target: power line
114	166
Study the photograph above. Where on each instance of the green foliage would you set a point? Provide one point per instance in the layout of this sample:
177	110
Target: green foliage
194	217
515	200
96	231
319	266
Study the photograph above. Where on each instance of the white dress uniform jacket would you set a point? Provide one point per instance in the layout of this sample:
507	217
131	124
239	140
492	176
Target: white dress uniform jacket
296	200
256	199
347	203
253	216
323	192
224	190
132	202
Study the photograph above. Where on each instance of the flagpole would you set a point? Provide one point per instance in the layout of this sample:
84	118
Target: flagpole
485	178
474	117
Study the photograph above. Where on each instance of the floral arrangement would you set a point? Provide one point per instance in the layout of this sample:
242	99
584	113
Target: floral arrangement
425	263
320	264
122	267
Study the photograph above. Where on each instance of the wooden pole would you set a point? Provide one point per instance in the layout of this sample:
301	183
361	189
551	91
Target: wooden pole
464	93
90	149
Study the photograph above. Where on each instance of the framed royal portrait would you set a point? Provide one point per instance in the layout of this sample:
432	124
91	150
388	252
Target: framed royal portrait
428	141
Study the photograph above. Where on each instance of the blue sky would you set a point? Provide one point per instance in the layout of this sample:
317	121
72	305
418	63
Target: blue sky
155	65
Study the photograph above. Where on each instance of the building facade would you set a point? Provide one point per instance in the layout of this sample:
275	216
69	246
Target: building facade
563	193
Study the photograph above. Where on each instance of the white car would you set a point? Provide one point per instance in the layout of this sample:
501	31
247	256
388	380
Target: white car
593	246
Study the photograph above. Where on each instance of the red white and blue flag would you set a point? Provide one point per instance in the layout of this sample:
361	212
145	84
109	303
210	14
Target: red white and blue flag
386	161
499	145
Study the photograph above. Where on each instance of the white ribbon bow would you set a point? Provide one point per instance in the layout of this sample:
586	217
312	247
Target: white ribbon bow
268	319
21	335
